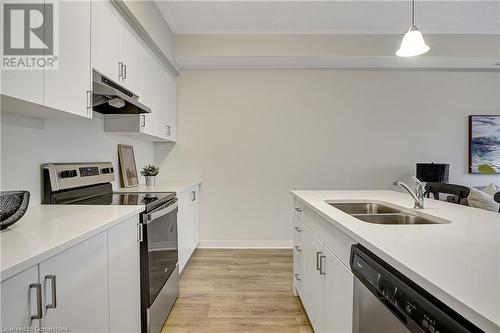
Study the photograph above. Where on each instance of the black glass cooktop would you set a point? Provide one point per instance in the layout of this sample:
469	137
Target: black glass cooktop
140	198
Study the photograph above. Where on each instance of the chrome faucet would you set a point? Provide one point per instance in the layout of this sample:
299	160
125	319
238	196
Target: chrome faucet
418	195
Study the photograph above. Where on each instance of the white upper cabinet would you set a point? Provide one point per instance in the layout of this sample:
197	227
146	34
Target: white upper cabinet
130	58
166	92
149	68
69	87
21	84
106	27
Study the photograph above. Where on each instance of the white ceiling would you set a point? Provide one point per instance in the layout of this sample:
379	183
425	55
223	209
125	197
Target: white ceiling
315	17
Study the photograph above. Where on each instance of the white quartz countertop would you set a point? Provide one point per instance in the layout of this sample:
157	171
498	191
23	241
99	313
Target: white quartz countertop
46	230
168	186
459	262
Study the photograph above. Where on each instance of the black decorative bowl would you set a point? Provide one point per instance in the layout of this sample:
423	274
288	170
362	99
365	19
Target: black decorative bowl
13	205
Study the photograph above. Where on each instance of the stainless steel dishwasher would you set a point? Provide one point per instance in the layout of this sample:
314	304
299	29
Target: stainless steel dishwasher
386	301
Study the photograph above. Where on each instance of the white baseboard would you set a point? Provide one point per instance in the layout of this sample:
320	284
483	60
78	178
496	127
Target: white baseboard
244	244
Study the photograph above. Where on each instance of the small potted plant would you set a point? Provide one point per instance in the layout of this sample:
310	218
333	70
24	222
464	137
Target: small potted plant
149	172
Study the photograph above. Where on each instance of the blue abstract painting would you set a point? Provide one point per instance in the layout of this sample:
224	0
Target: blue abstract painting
484	149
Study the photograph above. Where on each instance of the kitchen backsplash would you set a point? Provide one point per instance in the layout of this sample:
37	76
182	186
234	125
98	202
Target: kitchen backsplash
26	143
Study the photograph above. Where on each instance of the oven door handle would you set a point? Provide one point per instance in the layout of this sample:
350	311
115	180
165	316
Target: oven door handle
154	215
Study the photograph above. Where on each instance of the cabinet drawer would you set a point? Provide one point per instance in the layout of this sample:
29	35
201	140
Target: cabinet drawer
297	233
298	270
334	239
298	253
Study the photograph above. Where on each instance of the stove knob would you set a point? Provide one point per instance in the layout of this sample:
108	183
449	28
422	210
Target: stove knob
68	173
107	170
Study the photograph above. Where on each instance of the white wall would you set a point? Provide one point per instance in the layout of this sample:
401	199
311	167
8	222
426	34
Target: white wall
26	143
253	135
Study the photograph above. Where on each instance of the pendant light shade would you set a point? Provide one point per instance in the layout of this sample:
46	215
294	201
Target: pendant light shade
413	43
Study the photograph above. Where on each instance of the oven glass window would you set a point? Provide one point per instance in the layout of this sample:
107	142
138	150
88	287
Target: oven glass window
162	251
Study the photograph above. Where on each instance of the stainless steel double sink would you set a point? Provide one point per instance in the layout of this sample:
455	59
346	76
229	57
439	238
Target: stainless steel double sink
378	213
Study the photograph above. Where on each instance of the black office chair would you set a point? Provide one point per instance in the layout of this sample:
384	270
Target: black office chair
459	193
496	197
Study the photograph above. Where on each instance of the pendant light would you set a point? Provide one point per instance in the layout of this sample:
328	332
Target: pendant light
413	43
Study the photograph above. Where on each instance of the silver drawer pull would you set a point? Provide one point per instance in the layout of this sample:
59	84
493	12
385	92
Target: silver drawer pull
298	209
38	288
298	248
297	277
321	271
318	254
52	278
298	229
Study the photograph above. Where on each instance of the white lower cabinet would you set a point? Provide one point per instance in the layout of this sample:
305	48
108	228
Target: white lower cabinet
124	277
75	287
188	223
323	282
19	300
93	286
312	280
337	295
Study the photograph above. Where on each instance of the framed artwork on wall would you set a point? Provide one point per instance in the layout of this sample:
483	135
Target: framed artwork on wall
484	144
128	169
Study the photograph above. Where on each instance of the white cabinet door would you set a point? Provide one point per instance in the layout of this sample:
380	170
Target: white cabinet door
19	301
81	284
149	69
338	295
184	227
196	216
166	92
106	27
130	55
124	277
68	88
312	280
171	108
22	84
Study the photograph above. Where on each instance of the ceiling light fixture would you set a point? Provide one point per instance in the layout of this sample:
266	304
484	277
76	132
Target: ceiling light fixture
413	43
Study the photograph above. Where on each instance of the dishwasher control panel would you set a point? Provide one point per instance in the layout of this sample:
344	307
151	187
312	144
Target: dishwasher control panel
419	311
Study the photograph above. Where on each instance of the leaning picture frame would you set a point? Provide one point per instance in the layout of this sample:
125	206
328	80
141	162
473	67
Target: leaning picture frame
128	170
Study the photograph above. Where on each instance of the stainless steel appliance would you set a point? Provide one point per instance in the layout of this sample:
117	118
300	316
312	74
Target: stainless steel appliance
90	184
385	301
109	97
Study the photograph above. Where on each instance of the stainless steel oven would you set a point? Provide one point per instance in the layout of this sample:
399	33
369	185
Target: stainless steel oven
159	261
386	301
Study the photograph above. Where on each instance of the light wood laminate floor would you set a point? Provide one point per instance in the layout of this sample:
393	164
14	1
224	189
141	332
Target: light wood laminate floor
249	291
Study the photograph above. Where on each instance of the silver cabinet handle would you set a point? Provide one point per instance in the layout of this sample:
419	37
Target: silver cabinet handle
120	69
298	229
321	271
52	278
318	254
140	232
193	195
143	120
298	209
169	130
297	277
124	71
298	248
38	288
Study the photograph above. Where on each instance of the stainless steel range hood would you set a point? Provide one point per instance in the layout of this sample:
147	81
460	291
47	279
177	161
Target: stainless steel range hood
111	98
